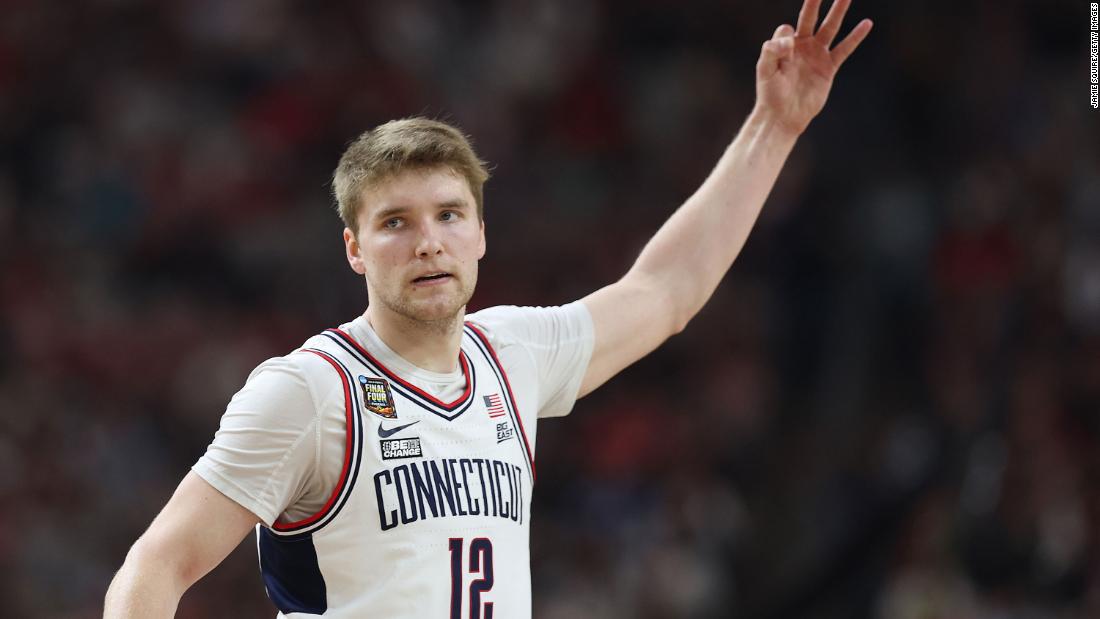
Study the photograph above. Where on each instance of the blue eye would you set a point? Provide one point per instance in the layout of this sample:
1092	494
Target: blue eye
448	216
392	223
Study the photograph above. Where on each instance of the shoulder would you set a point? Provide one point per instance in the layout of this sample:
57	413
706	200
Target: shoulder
514	324
302	376
501	324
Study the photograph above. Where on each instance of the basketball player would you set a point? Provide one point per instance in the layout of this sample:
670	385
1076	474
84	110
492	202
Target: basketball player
387	465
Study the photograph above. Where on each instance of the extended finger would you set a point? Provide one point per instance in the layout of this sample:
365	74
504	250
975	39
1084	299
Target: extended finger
845	48
832	22
807	18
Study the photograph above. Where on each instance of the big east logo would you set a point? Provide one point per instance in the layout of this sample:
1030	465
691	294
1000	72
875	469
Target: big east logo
377	397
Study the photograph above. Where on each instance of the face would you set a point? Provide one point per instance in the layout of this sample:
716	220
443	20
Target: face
418	244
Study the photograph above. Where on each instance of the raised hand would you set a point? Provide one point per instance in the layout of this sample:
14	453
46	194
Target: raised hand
796	67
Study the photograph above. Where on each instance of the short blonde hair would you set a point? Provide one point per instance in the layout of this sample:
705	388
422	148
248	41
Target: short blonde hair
399	145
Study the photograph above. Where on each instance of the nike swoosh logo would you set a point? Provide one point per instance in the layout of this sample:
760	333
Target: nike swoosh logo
384	433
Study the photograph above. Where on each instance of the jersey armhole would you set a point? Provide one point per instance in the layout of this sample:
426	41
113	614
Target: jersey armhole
353	440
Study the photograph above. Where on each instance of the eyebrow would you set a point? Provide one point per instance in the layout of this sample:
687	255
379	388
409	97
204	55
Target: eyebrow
386	213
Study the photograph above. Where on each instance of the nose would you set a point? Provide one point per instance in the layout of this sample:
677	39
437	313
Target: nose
428	244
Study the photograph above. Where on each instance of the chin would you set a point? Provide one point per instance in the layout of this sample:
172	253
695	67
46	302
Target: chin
434	311
438	307
435	314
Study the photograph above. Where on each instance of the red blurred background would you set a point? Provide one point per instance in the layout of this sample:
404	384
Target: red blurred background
890	408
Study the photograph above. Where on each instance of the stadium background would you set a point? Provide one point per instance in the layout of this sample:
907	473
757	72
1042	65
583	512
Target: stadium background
889	409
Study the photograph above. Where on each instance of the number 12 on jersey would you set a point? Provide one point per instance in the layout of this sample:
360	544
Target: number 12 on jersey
481	563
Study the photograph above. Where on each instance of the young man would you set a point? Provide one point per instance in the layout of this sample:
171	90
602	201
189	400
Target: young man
389	463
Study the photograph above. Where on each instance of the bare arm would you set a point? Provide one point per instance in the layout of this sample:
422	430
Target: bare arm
192	534
682	264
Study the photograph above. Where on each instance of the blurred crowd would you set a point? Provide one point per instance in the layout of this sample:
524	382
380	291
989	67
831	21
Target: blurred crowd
890	408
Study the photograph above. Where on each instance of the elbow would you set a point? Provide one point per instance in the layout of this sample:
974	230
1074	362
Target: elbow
669	303
679	321
678	327
684	299
138	587
678	312
154	565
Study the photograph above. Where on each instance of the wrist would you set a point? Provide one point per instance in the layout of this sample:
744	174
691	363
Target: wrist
765	121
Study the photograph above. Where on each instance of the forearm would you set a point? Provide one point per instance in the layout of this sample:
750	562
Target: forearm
144	587
682	264
692	251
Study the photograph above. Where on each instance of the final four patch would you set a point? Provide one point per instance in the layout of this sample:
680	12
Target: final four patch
377	397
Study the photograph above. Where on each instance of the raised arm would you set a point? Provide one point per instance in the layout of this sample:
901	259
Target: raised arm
682	264
192	534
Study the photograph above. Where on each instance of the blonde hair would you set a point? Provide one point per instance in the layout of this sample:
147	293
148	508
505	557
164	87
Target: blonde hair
408	144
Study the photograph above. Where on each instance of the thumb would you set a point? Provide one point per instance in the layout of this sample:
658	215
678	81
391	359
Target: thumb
771	53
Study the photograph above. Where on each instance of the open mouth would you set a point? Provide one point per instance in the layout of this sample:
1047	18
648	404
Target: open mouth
432	277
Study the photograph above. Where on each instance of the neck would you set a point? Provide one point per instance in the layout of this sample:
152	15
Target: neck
431	345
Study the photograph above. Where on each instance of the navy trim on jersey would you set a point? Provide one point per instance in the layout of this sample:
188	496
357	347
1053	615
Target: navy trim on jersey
411	392
291	574
352	461
486	349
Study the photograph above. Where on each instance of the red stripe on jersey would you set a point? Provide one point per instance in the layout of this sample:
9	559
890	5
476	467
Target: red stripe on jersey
411	387
349	430
511	396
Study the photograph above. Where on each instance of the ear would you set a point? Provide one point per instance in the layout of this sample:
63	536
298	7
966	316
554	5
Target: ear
481	242
355	259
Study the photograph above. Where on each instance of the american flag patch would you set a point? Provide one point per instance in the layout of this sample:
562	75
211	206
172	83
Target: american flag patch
493	405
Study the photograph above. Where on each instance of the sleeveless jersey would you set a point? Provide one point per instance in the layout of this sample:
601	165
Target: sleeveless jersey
430	516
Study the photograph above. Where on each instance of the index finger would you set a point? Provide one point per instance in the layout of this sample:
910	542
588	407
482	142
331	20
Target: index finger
807	18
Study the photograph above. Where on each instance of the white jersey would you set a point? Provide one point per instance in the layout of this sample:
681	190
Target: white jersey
426	511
